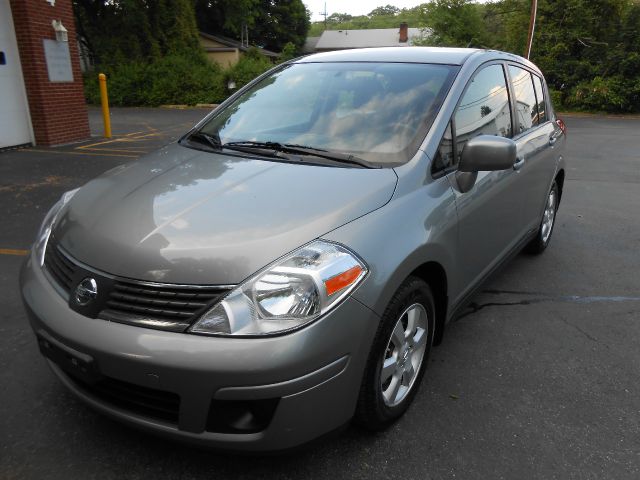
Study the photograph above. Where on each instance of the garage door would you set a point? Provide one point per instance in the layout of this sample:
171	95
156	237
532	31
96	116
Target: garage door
15	126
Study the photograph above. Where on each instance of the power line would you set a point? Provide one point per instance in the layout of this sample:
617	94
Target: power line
324	14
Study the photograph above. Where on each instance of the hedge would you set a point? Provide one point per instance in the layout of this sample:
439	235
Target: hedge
172	80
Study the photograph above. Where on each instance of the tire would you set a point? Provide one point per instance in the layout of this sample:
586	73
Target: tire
543	236
381	402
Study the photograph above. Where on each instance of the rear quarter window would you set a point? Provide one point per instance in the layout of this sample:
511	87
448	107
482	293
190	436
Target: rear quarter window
542	109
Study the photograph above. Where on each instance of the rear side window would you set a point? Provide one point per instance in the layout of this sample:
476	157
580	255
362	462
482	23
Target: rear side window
526	105
484	108
542	111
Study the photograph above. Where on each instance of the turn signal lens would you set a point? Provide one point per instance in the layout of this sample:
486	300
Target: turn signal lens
343	280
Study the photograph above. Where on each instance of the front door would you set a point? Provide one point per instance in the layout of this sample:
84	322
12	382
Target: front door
490	220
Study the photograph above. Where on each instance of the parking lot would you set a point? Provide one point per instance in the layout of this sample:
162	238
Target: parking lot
540	378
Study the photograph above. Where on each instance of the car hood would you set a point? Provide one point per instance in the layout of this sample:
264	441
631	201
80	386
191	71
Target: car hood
186	216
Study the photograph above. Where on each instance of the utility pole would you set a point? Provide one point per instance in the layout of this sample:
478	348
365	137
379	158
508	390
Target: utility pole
324	14
532	27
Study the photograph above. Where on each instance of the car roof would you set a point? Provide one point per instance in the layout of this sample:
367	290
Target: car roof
445	56
438	55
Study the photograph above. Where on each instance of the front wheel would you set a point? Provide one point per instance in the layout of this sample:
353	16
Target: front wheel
540	242
398	357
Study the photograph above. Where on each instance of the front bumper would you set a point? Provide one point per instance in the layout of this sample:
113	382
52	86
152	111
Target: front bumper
307	381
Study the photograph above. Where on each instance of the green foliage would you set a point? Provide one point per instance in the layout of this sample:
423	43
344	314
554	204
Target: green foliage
612	94
381	17
174	79
454	23
386	10
288	52
271	23
226	16
589	50
248	67
281	22
120	31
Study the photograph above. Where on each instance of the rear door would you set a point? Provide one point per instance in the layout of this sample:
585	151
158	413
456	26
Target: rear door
490	222
535	136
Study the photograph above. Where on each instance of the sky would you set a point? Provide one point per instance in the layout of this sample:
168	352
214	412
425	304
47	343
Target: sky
354	7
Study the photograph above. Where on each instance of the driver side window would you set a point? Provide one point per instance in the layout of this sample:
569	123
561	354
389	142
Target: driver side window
484	108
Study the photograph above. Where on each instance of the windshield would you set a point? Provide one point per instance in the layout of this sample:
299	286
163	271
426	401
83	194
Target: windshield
379	112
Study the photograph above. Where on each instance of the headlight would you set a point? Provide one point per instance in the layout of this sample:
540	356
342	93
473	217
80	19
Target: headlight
45	229
290	293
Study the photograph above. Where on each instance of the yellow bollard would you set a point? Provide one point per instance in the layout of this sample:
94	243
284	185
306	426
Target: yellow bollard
104	100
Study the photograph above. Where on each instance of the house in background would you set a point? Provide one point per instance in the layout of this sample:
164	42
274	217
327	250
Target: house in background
226	52
375	37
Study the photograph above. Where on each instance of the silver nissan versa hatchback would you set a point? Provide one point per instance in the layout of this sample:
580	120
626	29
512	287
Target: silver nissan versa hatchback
287	265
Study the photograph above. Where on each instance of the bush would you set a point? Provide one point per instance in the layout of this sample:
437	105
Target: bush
556	98
174	79
610	94
251	65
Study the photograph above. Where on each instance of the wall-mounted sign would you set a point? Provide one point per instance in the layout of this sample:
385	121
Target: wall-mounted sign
58	61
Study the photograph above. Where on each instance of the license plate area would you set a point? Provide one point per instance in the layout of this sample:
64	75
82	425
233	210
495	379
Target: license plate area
80	365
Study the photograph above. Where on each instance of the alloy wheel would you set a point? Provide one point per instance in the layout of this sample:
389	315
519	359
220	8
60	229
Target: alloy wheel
549	216
404	354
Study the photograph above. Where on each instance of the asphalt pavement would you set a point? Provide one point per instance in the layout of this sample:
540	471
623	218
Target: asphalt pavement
540	378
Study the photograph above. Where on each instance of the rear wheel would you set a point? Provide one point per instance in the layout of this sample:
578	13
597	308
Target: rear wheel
398	356
540	242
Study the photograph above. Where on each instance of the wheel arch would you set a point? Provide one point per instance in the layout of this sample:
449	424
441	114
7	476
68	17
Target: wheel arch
560	182
434	274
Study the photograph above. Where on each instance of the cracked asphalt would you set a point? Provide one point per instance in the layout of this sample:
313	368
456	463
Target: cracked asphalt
539	378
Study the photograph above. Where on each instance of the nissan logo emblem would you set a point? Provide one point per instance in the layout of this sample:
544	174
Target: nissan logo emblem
86	291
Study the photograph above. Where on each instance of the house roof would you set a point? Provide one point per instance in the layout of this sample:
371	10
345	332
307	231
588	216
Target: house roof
375	37
231	43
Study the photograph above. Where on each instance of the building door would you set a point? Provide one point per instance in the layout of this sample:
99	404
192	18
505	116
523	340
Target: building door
15	124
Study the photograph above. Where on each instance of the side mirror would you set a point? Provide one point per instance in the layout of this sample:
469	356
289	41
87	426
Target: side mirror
488	153
484	153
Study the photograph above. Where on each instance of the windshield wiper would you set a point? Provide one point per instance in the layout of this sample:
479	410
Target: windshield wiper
210	140
300	150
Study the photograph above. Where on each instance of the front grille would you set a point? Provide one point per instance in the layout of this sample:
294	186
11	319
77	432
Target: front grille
59	266
144	401
167	307
161	306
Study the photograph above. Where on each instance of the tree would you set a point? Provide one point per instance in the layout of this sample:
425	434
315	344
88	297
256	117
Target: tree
386	10
125	30
455	23
279	22
271	23
226	17
339	17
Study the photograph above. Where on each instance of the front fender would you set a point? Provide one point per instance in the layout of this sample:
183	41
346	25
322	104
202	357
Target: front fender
417	227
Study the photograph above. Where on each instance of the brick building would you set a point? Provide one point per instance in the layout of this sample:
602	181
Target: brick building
40	78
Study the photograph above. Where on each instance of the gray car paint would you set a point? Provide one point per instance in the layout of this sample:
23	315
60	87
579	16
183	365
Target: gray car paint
407	221
192	217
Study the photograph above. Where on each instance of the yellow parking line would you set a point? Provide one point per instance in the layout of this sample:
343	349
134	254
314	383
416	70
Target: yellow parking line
117	150
12	251
153	134
96	144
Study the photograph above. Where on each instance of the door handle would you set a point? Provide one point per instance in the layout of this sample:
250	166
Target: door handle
552	140
519	163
